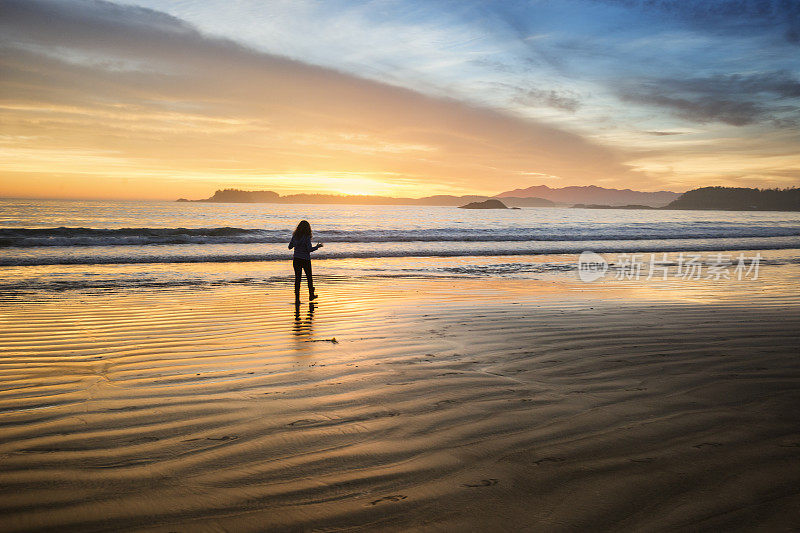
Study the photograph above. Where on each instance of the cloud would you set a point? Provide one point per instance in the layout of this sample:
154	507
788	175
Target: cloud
416	96
549	98
159	94
733	99
704	109
663	133
780	84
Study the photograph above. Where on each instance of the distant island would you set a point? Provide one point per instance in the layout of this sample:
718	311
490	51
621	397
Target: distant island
491	203
739	199
536	196
239	196
593	195
724	198
712	198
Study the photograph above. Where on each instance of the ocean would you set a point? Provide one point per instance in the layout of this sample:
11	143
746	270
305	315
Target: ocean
72	244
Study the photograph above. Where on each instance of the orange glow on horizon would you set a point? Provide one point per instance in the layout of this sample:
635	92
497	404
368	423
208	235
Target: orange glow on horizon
108	118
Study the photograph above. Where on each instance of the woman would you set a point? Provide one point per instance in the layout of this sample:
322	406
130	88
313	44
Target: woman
301	242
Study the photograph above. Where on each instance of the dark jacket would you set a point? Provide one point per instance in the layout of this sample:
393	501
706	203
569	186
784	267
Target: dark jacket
302	247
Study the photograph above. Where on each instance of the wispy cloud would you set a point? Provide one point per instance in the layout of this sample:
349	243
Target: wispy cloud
205	103
549	98
734	99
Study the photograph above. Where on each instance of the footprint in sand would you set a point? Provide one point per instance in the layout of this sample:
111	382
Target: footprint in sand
392	498
790	445
704	444
482	483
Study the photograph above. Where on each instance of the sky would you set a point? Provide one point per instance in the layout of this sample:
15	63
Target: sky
165	99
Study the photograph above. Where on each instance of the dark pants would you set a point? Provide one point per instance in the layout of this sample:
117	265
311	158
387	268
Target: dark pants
300	265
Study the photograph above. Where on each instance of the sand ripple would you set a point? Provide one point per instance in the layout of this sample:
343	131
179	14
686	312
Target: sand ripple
223	409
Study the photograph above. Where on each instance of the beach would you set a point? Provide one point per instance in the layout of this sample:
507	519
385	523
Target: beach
555	251
448	402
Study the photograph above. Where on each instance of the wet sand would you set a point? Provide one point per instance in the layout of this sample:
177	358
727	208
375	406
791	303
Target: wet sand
401	404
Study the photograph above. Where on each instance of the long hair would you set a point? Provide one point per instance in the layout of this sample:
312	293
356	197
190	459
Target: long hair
303	229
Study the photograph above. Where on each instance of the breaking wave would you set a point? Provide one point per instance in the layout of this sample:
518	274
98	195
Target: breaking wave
70	237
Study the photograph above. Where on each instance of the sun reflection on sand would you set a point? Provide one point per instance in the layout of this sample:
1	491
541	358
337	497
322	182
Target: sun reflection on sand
303	328
391	396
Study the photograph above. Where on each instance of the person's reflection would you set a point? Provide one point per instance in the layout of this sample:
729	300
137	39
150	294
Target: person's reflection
303	327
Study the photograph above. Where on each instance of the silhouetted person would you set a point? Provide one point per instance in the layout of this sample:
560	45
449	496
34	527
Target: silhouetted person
301	242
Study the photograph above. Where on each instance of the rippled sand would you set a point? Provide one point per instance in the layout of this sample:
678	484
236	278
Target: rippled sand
394	404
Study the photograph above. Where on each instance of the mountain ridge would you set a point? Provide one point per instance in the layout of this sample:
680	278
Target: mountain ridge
711	198
593	194
240	196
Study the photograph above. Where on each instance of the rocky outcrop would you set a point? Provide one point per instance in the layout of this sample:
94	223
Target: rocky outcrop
491	203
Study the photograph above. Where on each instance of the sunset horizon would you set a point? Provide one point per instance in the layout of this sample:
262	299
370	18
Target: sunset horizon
210	191
146	100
